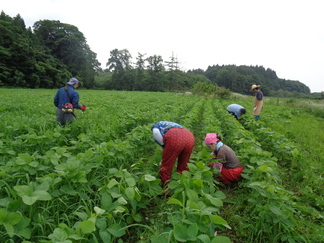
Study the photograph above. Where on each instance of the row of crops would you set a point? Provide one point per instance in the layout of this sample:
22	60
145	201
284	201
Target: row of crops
97	179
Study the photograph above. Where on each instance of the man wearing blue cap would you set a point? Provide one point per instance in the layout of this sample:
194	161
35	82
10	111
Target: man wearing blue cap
236	110
66	100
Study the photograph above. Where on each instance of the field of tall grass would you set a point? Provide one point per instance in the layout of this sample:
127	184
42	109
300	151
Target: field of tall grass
96	180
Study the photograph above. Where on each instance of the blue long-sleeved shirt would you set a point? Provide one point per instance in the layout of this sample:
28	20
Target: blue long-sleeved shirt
235	108
61	97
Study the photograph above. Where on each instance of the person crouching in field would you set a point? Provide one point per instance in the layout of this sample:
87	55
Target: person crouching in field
177	143
236	110
229	165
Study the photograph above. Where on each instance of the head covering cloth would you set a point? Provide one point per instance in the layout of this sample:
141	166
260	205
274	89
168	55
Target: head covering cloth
211	138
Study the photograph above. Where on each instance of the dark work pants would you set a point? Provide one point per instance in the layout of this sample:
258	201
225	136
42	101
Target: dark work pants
64	118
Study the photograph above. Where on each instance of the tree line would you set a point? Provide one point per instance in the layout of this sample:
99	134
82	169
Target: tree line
239	79
45	57
148	73
52	52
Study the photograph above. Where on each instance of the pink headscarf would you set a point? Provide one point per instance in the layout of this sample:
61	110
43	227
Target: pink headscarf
211	138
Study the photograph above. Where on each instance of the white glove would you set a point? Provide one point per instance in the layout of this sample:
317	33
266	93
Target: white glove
254	109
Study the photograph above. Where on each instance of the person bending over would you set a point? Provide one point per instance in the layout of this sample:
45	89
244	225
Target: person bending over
177	143
236	110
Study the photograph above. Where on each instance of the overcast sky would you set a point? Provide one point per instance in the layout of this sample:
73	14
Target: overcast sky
286	36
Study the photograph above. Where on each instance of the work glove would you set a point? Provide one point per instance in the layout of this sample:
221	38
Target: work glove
83	108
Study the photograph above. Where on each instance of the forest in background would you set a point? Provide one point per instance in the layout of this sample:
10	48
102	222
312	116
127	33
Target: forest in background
50	53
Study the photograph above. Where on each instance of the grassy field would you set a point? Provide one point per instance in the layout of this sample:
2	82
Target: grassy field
96	180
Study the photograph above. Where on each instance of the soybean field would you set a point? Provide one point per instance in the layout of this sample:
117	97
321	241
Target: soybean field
96	180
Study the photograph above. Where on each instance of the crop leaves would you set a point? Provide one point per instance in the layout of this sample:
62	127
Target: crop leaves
221	239
105	236
184	234
106	164
215	219
174	201
116	230
87	226
33	192
130	193
59	235
8	220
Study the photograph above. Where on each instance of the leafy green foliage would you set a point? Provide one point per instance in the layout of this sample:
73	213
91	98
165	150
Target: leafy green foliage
46	58
68	44
240	78
97	179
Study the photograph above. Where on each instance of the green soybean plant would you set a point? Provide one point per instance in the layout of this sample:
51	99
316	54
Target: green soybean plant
194	207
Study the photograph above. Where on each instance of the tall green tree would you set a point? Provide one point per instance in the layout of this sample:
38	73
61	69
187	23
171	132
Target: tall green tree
16	53
69	45
140	78
155	70
24	61
172	68
120	64
222	78
232	79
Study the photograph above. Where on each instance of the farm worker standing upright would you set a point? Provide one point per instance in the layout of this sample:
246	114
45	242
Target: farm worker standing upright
66	100
236	110
177	143
229	165
258	101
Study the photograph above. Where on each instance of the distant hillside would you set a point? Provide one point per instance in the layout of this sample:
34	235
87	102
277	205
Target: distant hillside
240	78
